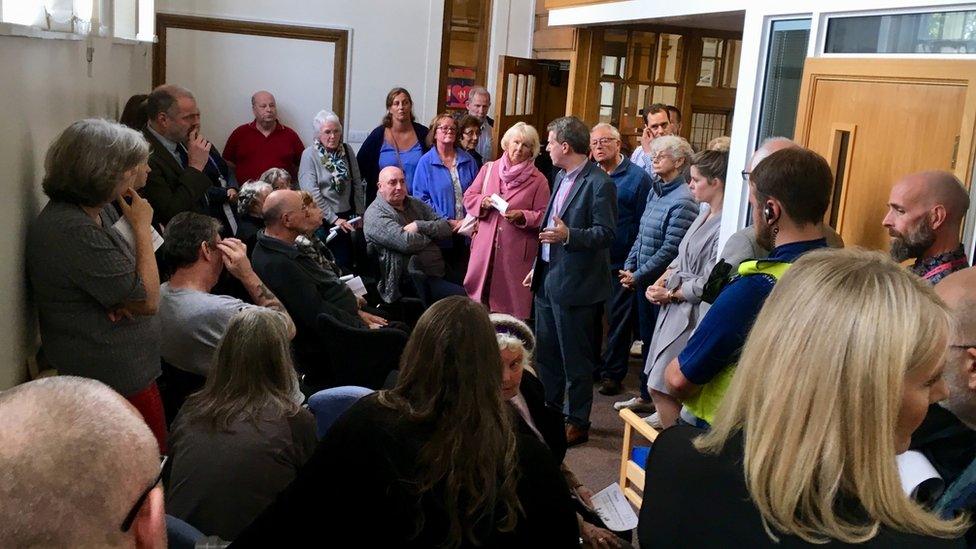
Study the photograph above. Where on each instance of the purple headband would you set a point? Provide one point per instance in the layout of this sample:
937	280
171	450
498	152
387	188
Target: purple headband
516	331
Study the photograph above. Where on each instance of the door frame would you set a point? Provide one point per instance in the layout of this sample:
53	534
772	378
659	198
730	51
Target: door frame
338	37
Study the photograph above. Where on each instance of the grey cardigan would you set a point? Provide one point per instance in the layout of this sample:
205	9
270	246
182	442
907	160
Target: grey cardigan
392	246
317	181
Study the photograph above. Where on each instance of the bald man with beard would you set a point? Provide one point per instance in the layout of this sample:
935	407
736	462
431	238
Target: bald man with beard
78	468
925	215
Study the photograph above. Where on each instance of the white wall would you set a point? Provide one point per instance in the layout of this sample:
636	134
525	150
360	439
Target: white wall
392	43
46	86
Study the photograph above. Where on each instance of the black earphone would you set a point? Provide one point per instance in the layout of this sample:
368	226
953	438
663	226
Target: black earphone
768	212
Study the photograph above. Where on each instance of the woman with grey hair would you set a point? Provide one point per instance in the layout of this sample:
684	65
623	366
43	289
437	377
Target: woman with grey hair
242	438
92	272
330	173
250	200
278	178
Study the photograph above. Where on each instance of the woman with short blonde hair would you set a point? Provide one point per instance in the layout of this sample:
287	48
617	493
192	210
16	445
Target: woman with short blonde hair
504	245
838	371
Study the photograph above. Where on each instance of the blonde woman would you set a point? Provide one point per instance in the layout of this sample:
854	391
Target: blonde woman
504	247
838	371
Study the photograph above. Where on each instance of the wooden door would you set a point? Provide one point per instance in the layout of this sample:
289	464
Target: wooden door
519	98
876	120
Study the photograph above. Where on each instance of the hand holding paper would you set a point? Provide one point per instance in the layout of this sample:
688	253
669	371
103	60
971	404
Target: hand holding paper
499	203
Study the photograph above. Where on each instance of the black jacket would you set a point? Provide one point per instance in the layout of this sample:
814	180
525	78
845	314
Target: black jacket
354	492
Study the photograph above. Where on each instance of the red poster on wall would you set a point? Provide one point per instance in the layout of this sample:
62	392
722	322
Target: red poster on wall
459	83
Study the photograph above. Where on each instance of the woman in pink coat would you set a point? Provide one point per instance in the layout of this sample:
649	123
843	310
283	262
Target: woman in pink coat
505	244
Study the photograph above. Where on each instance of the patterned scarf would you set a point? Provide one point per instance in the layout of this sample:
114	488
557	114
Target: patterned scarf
337	165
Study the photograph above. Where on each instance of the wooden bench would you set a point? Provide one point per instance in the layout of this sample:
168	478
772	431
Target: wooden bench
631	472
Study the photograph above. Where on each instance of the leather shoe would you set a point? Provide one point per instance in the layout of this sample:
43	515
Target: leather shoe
610	387
576	435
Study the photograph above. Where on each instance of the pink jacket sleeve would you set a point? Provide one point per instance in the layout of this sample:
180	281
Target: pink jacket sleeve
533	217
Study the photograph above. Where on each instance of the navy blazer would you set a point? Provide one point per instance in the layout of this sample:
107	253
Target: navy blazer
579	271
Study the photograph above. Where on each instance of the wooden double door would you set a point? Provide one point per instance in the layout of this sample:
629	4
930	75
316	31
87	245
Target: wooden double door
876	120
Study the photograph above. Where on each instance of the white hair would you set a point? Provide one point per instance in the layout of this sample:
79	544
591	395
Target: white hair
321	118
478	90
614	132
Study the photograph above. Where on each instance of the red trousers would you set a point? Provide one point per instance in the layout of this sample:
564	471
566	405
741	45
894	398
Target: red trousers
150	405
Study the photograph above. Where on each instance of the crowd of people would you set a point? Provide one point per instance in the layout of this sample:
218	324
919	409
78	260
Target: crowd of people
397	345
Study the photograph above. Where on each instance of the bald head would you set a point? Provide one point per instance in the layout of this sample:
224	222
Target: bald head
958	290
278	204
392	186
936	188
265	108
74	459
769	146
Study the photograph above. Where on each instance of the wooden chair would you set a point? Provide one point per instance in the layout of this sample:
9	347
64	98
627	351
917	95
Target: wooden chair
631	472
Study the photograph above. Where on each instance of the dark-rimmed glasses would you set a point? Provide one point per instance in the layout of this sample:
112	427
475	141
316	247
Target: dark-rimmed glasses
960	346
131	517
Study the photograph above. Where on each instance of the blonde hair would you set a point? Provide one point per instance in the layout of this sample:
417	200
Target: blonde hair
526	132
817	394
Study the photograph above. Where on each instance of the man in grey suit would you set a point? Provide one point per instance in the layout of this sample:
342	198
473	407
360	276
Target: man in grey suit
570	274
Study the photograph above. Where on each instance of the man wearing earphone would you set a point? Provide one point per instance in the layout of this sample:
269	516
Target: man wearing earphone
789	192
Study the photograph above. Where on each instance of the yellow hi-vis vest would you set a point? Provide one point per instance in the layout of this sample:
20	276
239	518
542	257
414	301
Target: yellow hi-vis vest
705	403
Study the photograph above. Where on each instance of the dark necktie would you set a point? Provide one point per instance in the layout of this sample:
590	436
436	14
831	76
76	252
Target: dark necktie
181	151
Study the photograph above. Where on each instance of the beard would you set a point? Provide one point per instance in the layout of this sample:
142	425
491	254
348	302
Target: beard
913	244
764	236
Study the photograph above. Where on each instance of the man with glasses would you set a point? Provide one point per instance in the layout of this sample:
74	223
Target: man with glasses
947	436
192	319
84	473
633	185
304	285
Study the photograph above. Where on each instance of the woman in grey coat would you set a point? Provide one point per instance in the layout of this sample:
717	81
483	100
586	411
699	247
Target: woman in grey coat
330	173
679	289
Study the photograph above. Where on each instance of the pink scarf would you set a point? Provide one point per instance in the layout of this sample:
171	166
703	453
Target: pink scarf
512	177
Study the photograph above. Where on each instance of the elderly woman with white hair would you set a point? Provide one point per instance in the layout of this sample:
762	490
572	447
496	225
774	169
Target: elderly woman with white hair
534	418
504	247
97	291
330	173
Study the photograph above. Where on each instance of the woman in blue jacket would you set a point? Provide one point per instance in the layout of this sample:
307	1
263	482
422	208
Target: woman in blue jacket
442	175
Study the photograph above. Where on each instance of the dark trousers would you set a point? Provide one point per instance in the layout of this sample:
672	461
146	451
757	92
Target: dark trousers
567	352
621	321
646	318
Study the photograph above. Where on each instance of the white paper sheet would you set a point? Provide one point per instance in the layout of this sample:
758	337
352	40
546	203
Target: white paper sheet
914	469
125	230
356	285
613	507
499	203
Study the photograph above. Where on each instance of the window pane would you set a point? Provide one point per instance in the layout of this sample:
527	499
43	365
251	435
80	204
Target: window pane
643	45
935	32
669	59
706	126
707	75
606	115
711	47
606	93
665	94
614	47
784	72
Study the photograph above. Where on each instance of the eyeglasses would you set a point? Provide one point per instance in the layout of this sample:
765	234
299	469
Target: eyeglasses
969	346
131	517
661	156
471	132
447	129
603	141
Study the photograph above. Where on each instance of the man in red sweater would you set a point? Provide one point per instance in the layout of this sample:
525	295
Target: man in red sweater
263	143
